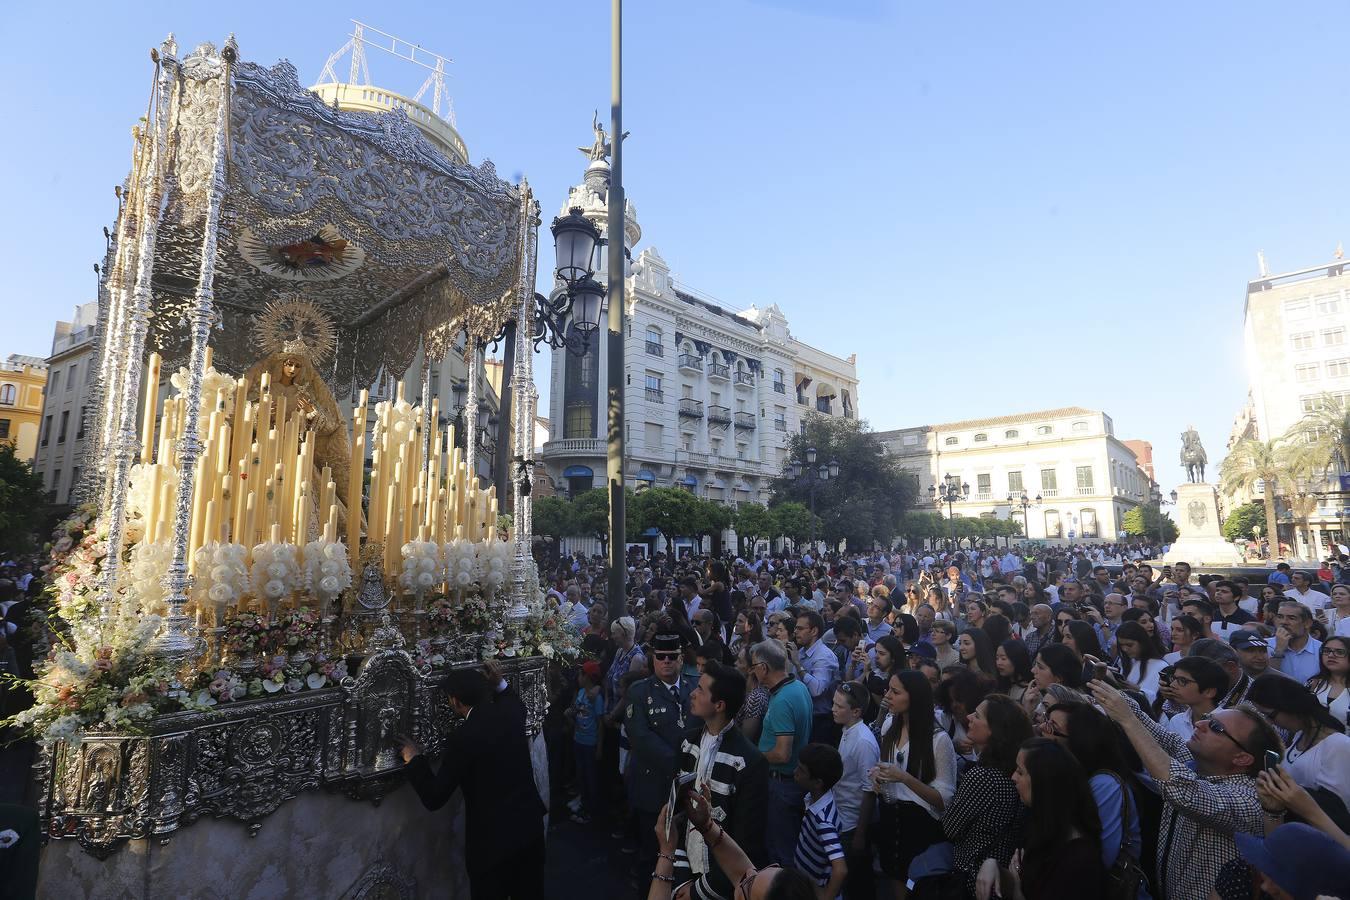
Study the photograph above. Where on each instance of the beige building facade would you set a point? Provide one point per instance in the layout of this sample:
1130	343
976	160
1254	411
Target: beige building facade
23	381
67	409
1080	478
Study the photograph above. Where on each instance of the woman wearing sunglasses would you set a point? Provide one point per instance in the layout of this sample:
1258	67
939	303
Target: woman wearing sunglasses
769	883
1330	685
1318	753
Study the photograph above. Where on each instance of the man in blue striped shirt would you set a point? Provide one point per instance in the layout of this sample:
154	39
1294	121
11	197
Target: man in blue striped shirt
819	853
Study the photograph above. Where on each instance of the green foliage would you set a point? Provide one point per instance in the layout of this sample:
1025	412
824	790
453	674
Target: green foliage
23	501
1144	521
553	517
754	523
865	503
1240	521
672	511
590	514
792	521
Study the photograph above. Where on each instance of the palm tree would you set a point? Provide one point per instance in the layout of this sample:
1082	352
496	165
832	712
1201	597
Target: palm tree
1253	461
1327	428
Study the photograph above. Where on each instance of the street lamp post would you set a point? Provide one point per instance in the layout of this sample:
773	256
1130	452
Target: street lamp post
949	491
807	470
615	222
1024	503
1156	496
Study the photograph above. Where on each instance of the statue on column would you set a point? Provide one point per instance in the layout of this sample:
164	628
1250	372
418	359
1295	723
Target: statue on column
1193	455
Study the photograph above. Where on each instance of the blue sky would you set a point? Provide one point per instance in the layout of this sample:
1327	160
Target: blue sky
999	207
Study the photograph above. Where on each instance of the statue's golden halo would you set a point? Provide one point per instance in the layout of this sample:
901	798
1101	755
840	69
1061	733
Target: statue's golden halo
295	325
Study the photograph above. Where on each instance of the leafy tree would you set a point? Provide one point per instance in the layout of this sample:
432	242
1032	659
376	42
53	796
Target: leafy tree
864	503
553	517
1252	462
1327	429
672	511
590	515
792	521
1239	523
712	519
23	501
1148	520
754	523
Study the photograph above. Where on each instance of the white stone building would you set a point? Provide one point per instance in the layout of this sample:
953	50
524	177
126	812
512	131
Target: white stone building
1297	354
1086	478
710	395
66	411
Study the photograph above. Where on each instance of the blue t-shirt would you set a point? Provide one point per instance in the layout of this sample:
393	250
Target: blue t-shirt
789	713
586	725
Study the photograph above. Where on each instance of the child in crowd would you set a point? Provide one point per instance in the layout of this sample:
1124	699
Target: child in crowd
585	714
819	853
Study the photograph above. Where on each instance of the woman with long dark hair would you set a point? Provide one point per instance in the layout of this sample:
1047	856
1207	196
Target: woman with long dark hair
1062	619
1056	666
1061	855
1185	630
1079	637
1140	658
1146	619
1318	753
1013	663
889	657
915	778
976	651
748	630
1110	763
1330	685
979	820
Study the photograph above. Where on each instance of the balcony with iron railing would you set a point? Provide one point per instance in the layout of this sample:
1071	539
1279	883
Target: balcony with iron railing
691	408
656	395
780	424
745	420
823	405
744	379
690	362
655	349
779	387
719	371
720	414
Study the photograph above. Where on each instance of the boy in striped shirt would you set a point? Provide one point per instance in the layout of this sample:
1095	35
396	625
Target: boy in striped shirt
819	853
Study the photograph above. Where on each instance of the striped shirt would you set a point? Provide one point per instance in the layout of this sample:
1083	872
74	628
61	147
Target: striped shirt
818	842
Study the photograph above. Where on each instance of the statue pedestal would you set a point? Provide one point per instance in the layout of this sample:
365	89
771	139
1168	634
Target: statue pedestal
1201	543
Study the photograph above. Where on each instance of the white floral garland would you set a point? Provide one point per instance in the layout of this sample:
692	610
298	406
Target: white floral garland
222	577
327	570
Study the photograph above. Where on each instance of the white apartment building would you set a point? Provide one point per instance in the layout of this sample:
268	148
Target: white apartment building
710	395
1086	478
66	411
1297	355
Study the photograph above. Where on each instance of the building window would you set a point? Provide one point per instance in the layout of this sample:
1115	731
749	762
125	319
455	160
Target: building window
910	440
1045	429
1297	309
70	376
983	486
46	430
1053	528
779	385
654	433
1012	434
1303	340
1088	518
579	422
1328	304
654	341
1333	337
654	393
1305	372
1049	482
8	395
65	422
1015	483
4	429
951	441
56	482
1083	475
981	438
1080	427
54	381
1338	368
79	429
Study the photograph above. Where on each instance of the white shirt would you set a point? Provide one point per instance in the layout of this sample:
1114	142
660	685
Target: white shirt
1181	724
944	763
1326	765
1147	682
1314	600
859	751
691	606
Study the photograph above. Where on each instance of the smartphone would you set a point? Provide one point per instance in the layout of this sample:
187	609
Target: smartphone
1271	761
1099	671
680	787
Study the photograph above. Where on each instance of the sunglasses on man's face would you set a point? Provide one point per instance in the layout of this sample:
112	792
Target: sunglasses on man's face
666	657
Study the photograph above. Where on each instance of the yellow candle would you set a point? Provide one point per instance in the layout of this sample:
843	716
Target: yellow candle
148	413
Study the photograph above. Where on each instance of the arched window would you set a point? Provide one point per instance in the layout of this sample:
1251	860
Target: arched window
1088	519
1011	434
1080	427
952	441
1045	429
8	394
1053	527
653	340
981	438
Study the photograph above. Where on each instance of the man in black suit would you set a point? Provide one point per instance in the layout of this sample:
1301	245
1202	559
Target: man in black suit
488	759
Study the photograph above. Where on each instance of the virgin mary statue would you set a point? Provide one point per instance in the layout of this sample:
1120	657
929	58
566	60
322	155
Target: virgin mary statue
297	337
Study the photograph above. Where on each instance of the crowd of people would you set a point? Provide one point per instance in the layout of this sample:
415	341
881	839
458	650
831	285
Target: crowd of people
1022	723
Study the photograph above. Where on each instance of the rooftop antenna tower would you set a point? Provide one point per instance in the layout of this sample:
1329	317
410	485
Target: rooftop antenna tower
359	72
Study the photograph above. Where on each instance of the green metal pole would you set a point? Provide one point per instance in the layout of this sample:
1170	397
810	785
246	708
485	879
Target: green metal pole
618	570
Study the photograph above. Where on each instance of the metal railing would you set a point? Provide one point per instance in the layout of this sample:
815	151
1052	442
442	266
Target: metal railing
780	424
780	387
690	361
656	395
655	349
745	378
823	405
691	407
718	370
719	414
745	420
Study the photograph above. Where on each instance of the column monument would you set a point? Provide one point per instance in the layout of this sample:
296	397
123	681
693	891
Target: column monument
1200	542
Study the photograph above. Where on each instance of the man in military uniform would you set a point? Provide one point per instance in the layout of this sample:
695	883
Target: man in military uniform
658	715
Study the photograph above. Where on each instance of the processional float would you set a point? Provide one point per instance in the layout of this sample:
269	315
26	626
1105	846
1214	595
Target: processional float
245	613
